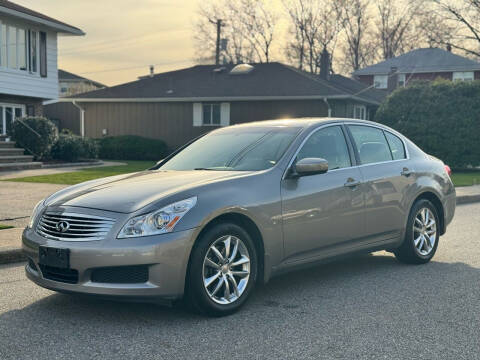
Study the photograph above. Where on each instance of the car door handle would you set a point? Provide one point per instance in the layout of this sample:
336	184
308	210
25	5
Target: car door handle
351	182
406	172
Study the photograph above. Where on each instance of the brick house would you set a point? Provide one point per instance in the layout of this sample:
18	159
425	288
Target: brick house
419	64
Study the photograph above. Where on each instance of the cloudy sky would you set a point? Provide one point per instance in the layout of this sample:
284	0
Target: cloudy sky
122	34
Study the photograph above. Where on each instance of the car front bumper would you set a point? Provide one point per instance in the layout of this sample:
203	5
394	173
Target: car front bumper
165	256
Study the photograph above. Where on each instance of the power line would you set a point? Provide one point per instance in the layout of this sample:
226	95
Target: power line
116	40
137	67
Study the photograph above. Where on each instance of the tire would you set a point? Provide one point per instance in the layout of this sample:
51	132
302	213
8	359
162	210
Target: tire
414	249
219	297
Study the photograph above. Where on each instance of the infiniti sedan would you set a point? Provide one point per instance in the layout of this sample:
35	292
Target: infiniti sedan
238	206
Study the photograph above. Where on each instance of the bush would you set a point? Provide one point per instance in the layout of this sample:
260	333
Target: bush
130	147
72	148
441	117
35	134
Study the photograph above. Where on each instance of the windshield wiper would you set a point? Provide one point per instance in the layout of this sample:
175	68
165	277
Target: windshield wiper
215	168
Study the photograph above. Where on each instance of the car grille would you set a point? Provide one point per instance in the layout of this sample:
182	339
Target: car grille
69	276
121	274
73	227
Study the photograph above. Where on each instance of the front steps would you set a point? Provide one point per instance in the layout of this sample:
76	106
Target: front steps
12	158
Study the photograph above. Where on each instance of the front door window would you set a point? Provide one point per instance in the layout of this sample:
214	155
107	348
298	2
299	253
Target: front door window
8	114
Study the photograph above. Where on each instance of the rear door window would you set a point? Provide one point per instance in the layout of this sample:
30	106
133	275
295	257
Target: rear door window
396	146
371	144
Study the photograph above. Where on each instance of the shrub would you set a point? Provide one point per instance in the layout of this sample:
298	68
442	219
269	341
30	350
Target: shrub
72	148
441	117
130	147
35	134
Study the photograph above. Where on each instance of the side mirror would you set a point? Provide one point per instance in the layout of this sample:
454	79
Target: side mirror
311	166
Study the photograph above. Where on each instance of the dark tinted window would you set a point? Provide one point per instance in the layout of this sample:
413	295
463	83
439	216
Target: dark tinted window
328	144
396	145
371	144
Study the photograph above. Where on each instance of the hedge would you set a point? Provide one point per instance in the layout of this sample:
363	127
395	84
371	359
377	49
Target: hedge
131	147
72	148
35	134
441	117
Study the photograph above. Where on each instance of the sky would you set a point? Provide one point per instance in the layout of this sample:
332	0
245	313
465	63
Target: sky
122	34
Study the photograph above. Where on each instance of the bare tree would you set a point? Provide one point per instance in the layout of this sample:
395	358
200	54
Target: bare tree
258	25
465	15
248	31
395	26
356	44
314	26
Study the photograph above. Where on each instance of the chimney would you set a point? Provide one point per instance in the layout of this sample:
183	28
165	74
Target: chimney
325	65
449	47
152	70
392	81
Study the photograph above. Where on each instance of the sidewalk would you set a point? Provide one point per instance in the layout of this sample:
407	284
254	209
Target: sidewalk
53	170
22	197
10	244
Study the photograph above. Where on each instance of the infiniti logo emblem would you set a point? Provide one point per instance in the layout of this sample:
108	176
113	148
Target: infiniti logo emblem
62	226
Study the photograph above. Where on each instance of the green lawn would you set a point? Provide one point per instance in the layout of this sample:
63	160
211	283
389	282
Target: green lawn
71	178
3	227
466	178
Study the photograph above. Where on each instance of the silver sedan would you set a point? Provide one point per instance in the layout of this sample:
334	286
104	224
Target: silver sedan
238	206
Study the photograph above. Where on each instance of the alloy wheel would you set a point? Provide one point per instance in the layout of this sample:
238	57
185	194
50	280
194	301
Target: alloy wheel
424	231
226	269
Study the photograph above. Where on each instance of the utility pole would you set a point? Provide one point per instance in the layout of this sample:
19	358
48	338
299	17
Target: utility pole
219	24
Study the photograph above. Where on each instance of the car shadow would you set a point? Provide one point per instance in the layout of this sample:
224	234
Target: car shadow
333	293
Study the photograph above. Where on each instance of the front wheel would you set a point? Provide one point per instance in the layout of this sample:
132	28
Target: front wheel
222	271
421	235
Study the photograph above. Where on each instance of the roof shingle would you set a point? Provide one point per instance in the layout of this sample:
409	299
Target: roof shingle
15	7
422	61
211	81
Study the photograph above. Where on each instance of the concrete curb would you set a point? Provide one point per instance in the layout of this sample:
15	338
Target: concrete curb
12	255
68	165
468	199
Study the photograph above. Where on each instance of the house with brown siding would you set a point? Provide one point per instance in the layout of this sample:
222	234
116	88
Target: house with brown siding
179	105
420	64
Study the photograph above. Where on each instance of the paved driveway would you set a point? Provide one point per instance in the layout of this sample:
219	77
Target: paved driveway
17	200
368	307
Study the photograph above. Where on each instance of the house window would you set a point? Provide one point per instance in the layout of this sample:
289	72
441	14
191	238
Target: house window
401	80
8	114
380	81
360	112
463	76
3	45
32	38
18	48
211	114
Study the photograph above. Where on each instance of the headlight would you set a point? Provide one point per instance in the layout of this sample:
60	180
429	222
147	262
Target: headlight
157	222
36	210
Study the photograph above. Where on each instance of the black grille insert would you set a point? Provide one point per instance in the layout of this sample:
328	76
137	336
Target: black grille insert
31	265
121	274
69	276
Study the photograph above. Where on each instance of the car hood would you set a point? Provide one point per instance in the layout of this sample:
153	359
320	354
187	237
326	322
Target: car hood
130	192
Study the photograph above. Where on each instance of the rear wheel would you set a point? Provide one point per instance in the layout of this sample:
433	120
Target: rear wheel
223	270
421	235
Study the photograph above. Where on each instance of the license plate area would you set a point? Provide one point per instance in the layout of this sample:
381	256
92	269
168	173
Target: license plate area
55	257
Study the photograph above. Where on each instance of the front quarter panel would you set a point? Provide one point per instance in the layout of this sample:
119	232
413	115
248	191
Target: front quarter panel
256	196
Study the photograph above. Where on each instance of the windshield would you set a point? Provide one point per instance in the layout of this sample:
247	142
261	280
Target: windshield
235	148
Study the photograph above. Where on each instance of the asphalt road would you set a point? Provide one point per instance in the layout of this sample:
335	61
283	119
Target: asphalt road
368	307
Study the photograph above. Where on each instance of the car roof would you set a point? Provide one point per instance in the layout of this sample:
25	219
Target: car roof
305	122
